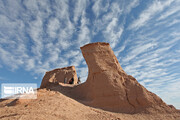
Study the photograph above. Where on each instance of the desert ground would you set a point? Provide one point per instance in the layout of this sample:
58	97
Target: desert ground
55	105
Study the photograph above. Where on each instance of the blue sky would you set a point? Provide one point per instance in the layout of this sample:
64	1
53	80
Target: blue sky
40	35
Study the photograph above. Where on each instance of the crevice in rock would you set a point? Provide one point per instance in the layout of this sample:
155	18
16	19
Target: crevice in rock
128	99
11	115
127	96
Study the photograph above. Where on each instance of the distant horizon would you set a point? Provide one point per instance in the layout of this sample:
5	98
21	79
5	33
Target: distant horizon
38	36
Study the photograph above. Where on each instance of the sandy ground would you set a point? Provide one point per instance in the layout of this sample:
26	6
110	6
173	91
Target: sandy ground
54	105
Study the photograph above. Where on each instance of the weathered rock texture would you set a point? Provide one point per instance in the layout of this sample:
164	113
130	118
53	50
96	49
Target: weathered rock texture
109	87
59	75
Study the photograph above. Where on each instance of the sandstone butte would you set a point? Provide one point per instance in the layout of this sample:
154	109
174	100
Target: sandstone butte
108	93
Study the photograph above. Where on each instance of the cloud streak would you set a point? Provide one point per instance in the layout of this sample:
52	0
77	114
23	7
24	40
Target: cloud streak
147	14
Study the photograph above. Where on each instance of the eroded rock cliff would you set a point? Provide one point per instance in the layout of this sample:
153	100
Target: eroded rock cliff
109	87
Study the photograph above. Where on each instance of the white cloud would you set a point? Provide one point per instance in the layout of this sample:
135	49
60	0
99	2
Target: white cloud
80	7
53	53
109	24
7	58
62	63
54	56
30	64
131	5
35	32
117	52
112	33
62	9
178	51
98	8
12	7
172	88
135	51
83	37
76	60
64	44
84	33
40	70
147	14
175	21
66	29
53	26
71	54
31	5
169	12
113	12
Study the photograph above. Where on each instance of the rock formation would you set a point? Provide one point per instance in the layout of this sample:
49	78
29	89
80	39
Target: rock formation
60	75
109	87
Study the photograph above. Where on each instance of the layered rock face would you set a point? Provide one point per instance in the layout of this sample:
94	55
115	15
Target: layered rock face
108	86
60	75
